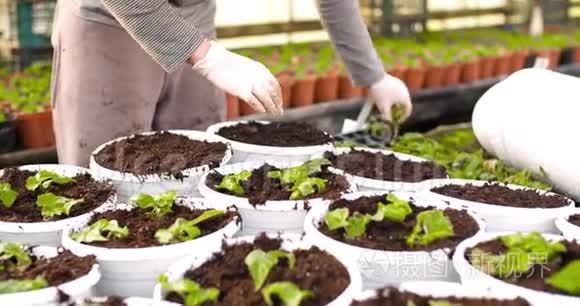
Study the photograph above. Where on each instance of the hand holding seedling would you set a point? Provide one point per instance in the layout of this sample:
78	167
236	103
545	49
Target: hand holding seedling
390	92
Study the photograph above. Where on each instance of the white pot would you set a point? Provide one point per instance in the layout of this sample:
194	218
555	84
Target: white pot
130	301
290	242
133	272
272	216
45	233
381	268
368	184
569	230
443	290
244	152
79	288
129	184
474	277
503	218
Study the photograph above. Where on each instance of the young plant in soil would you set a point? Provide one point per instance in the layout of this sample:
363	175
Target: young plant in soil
395	297
276	134
392	224
154	221
530	261
267	183
260	274
105	301
28	196
21	271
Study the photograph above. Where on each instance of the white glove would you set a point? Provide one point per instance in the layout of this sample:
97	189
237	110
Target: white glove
242	77
388	92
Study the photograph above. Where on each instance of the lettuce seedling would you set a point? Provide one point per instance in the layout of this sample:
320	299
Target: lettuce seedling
191	292
298	177
52	205
13	286
14	256
183	230
260	264
158	205
233	182
337	218
396	211
354	226
306	187
7	195
567	279
102	230
287	292
45	178
431	225
535	244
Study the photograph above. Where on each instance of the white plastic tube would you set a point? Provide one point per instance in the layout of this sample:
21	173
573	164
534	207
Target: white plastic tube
133	272
128	184
530	120
45	233
244	152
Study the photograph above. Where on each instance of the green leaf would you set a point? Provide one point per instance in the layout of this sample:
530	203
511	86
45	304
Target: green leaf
207	215
13	286
337	218
357	225
14	256
102	230
7	195
298	177
315	165
307	186
158	205
288	293
567	279
233	182
533	243
442	303
45	178
260	264
191	292
431	225
396	211
52	205
183	230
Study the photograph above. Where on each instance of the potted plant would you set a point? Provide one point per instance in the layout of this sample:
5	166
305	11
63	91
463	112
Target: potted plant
346	87
542	267
470	66
286	141
503	61
454	66
569	225
136	242
328	72
391	234
437	68
279	65
304	85
38	202
7	131
274	196
415	72
156	161
503	207
116	301
40	275
487	54
259	270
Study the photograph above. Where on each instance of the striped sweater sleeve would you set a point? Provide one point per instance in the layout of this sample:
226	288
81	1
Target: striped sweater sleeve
349	34
164	34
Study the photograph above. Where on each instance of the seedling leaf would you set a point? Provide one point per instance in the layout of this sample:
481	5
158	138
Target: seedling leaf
306	187
183	230
288	293
260	264
7	195
52	205
337	218
45	178
357	225
431	225
396	211
191	292
13	286
157	205
14	256
102	230
233	182
567	278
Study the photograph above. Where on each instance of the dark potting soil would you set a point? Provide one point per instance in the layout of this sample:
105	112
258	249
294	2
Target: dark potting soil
391	236
535	277
109	301
142	227
261	188
160	153
93	193
315	270
394	297
575	219
276	134
384	167
502	195
58	270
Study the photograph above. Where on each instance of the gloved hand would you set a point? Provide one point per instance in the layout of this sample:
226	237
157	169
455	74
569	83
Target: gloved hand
242	77
388	92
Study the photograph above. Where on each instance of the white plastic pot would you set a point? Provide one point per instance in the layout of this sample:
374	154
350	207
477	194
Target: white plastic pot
291	242
368	184
503	218
129	184
130	301
133	272
244	152
474	277
381	268
272	216
569	230
79	288
45	233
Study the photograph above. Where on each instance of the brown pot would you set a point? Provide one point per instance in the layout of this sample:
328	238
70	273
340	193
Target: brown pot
245	108
326	87
415	78
553	55
576	55
233	106
35	129
518	60
435	75
471	71
286	81
303	91
347	90
398	73
502	65
487	67
453	75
